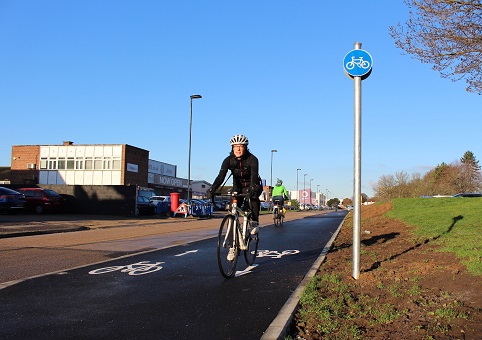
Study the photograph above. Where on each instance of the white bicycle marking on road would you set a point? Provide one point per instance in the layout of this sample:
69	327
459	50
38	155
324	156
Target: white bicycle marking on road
187	252
276	254
147	267
245	271
139	268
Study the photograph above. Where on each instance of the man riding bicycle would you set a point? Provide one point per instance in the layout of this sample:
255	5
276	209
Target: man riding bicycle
279	194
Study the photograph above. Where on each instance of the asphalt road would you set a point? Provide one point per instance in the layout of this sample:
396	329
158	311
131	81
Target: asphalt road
183	297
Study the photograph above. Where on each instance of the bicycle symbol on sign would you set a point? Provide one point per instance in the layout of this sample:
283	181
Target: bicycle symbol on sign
359	62
139	268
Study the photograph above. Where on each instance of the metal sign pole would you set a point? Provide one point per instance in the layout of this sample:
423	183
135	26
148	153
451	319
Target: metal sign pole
358	66
357	176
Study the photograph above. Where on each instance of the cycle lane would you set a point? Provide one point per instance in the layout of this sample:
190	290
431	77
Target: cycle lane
187	298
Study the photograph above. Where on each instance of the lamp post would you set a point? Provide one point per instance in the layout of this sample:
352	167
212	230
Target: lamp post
304	188
194	96
310	191
271	184
318	201
297	191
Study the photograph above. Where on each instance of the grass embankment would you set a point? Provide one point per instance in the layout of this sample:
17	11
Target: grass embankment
455	223
396	300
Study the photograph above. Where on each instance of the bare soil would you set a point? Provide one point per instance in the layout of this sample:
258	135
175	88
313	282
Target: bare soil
447	303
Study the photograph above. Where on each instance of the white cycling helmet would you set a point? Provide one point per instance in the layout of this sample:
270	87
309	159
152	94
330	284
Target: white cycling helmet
238	139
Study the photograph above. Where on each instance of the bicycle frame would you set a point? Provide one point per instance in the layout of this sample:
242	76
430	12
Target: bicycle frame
239	236
276	206
235	236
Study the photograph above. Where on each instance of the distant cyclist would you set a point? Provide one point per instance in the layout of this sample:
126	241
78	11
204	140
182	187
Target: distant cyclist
244	167
279	194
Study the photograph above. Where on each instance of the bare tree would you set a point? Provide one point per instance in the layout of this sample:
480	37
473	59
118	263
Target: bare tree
384	189
444	179
446	34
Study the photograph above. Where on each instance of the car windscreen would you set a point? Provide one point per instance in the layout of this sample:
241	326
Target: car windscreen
51	193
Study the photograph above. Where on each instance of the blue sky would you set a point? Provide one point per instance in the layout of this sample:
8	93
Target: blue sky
121	72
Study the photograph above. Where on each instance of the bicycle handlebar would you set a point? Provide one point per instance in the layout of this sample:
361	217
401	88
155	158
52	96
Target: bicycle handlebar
231	194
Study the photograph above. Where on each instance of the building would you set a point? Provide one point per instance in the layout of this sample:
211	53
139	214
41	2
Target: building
93	165
68	164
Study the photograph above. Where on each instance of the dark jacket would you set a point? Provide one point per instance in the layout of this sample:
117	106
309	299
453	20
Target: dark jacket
245	174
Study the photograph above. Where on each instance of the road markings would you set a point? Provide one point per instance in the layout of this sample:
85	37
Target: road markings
245	271
187	252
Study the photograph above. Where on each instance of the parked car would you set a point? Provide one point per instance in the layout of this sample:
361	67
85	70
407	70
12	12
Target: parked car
145	206
11	201
41	200
163	204
468	194
157	199
265	205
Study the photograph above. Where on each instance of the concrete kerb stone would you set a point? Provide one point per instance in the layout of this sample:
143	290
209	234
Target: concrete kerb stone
279	328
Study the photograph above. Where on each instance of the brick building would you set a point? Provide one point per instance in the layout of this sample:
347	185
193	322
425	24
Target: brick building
68	164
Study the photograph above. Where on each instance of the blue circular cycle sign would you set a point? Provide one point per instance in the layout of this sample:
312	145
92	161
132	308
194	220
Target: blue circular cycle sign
357	63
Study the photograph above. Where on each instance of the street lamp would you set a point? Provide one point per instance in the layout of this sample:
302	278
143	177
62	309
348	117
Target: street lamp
317	196
310	190
297	191
304	188
271	184
194	96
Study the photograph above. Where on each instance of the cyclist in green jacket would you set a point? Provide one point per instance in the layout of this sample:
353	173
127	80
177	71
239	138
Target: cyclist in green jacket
279	193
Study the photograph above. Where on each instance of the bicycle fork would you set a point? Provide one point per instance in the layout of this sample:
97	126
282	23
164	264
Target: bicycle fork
234	236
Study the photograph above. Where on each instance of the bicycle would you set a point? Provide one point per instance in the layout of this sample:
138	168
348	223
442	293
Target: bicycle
236	234
278	215
357	62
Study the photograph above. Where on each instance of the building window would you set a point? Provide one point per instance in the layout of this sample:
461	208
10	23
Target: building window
88	164
98	163
116	164
79	163
43	163
107	163
70	163
61	163
52	164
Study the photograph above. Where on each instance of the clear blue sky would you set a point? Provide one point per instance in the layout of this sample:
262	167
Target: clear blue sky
121	72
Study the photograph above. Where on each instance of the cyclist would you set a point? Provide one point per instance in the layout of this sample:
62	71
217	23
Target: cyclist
244	168
279	194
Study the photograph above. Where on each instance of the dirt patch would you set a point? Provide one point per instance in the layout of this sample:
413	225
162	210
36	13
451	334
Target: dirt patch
430	294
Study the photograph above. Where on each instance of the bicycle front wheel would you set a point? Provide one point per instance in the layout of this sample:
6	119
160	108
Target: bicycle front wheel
252	250
226	262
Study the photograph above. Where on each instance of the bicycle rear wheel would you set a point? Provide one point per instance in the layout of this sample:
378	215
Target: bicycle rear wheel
225	242
275	216
252	243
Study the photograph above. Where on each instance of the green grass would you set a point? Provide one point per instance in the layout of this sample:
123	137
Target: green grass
454	223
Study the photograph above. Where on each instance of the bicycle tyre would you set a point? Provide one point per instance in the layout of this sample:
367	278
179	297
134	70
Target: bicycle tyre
251	253
275	216
281	218
227	268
